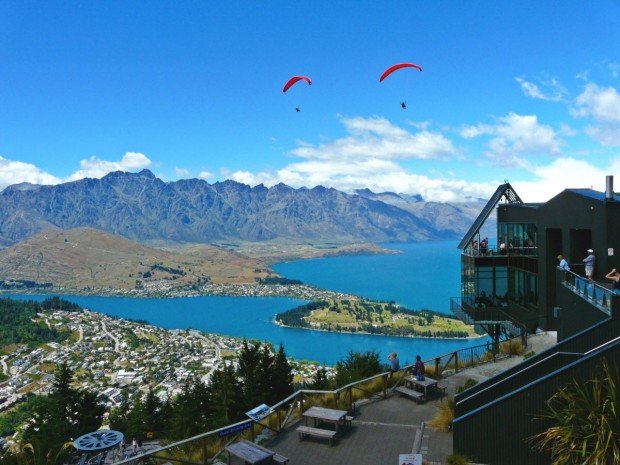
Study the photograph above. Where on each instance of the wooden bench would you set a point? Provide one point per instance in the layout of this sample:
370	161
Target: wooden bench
415	395
280	459
318	432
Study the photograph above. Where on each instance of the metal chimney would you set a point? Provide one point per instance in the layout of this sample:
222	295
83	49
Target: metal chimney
609	188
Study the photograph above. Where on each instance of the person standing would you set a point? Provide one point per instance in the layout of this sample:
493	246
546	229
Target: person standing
590	261
394	362
563	263
614	275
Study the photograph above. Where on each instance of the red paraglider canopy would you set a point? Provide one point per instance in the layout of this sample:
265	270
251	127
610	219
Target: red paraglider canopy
398	66
295	79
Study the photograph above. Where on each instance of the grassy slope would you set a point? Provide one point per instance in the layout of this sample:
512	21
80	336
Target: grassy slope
346	311
85	257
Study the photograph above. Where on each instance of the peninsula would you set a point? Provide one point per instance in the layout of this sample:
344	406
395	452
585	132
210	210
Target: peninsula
369	316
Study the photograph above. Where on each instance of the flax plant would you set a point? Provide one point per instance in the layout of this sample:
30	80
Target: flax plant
585	421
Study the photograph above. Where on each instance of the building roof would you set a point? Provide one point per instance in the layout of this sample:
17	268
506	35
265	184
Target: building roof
592	194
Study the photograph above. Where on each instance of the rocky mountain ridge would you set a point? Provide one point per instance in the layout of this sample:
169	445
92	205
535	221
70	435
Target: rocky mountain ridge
142	207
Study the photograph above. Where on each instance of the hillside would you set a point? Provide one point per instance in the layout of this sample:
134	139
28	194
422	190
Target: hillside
88	258
373	317
143	208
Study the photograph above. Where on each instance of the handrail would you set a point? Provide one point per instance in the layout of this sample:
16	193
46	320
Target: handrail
293	399
609	344
597	332
591	291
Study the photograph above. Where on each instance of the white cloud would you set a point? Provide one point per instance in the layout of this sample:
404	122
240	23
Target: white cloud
514	137
205	175
378	138
94	167
15	172
368	157
182	173
564	173
549	89
602	105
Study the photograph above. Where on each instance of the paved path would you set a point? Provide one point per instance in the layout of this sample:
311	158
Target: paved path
383	429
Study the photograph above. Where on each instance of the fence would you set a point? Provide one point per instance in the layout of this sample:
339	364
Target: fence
205	448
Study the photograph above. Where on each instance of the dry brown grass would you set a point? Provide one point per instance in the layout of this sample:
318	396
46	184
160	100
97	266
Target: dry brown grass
512	347
445	415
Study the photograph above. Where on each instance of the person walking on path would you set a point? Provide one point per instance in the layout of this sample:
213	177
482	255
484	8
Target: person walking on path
590	261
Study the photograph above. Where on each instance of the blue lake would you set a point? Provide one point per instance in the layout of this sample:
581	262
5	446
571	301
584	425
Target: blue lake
420	277
424	275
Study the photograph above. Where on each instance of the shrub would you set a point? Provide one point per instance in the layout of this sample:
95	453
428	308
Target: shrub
468	384
585	421
445	415
457	459
512	347
531	353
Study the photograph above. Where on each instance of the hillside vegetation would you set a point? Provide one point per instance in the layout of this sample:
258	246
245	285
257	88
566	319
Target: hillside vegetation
374	317
86	258
20	324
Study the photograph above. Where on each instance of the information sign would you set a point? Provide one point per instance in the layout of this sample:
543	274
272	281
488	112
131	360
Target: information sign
410	459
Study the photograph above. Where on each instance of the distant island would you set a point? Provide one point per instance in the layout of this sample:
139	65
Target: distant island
373	317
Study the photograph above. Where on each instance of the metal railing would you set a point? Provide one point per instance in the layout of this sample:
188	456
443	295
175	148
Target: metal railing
206	448
497	251
595	293
486	315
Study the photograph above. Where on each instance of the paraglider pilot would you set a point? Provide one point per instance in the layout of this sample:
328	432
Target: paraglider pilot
403	105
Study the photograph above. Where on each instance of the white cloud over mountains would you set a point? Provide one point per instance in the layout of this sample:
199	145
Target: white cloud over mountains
513	137
14	172
94	167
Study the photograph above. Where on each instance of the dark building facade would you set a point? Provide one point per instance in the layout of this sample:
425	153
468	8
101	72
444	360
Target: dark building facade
514	287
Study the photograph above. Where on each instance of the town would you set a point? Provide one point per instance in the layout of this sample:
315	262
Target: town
115	357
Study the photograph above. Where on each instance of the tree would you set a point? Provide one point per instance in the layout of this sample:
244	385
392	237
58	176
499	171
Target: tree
356	366
225	393
321	381
281	378
61	417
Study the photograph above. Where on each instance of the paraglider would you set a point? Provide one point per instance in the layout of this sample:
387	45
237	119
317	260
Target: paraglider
396	67
294	80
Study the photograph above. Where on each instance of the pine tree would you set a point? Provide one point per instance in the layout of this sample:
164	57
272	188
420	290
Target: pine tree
281	378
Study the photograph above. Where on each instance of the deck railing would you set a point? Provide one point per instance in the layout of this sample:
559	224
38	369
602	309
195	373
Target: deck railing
595	293
207	448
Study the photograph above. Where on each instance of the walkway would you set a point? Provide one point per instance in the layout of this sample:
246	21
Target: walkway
383	429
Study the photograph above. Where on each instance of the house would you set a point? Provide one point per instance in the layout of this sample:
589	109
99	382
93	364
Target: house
513	287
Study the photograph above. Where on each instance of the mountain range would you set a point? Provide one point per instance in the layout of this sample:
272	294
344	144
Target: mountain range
144	208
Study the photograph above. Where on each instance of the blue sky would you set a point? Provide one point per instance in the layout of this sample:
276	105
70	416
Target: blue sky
528	92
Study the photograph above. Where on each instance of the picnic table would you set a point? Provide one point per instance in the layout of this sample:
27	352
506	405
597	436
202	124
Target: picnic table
422	384
249	452
328	415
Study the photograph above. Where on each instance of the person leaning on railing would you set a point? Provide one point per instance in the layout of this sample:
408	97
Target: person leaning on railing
614	276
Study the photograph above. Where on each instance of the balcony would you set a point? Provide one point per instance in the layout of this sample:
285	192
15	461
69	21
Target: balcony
490	318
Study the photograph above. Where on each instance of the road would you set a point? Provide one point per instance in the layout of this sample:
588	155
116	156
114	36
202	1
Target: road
117	343
218	351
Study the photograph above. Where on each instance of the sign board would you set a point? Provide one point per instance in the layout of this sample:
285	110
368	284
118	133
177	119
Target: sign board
410	459
258	412
235	429
610	252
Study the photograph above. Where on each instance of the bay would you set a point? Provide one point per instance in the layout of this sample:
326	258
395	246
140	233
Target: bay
422	275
